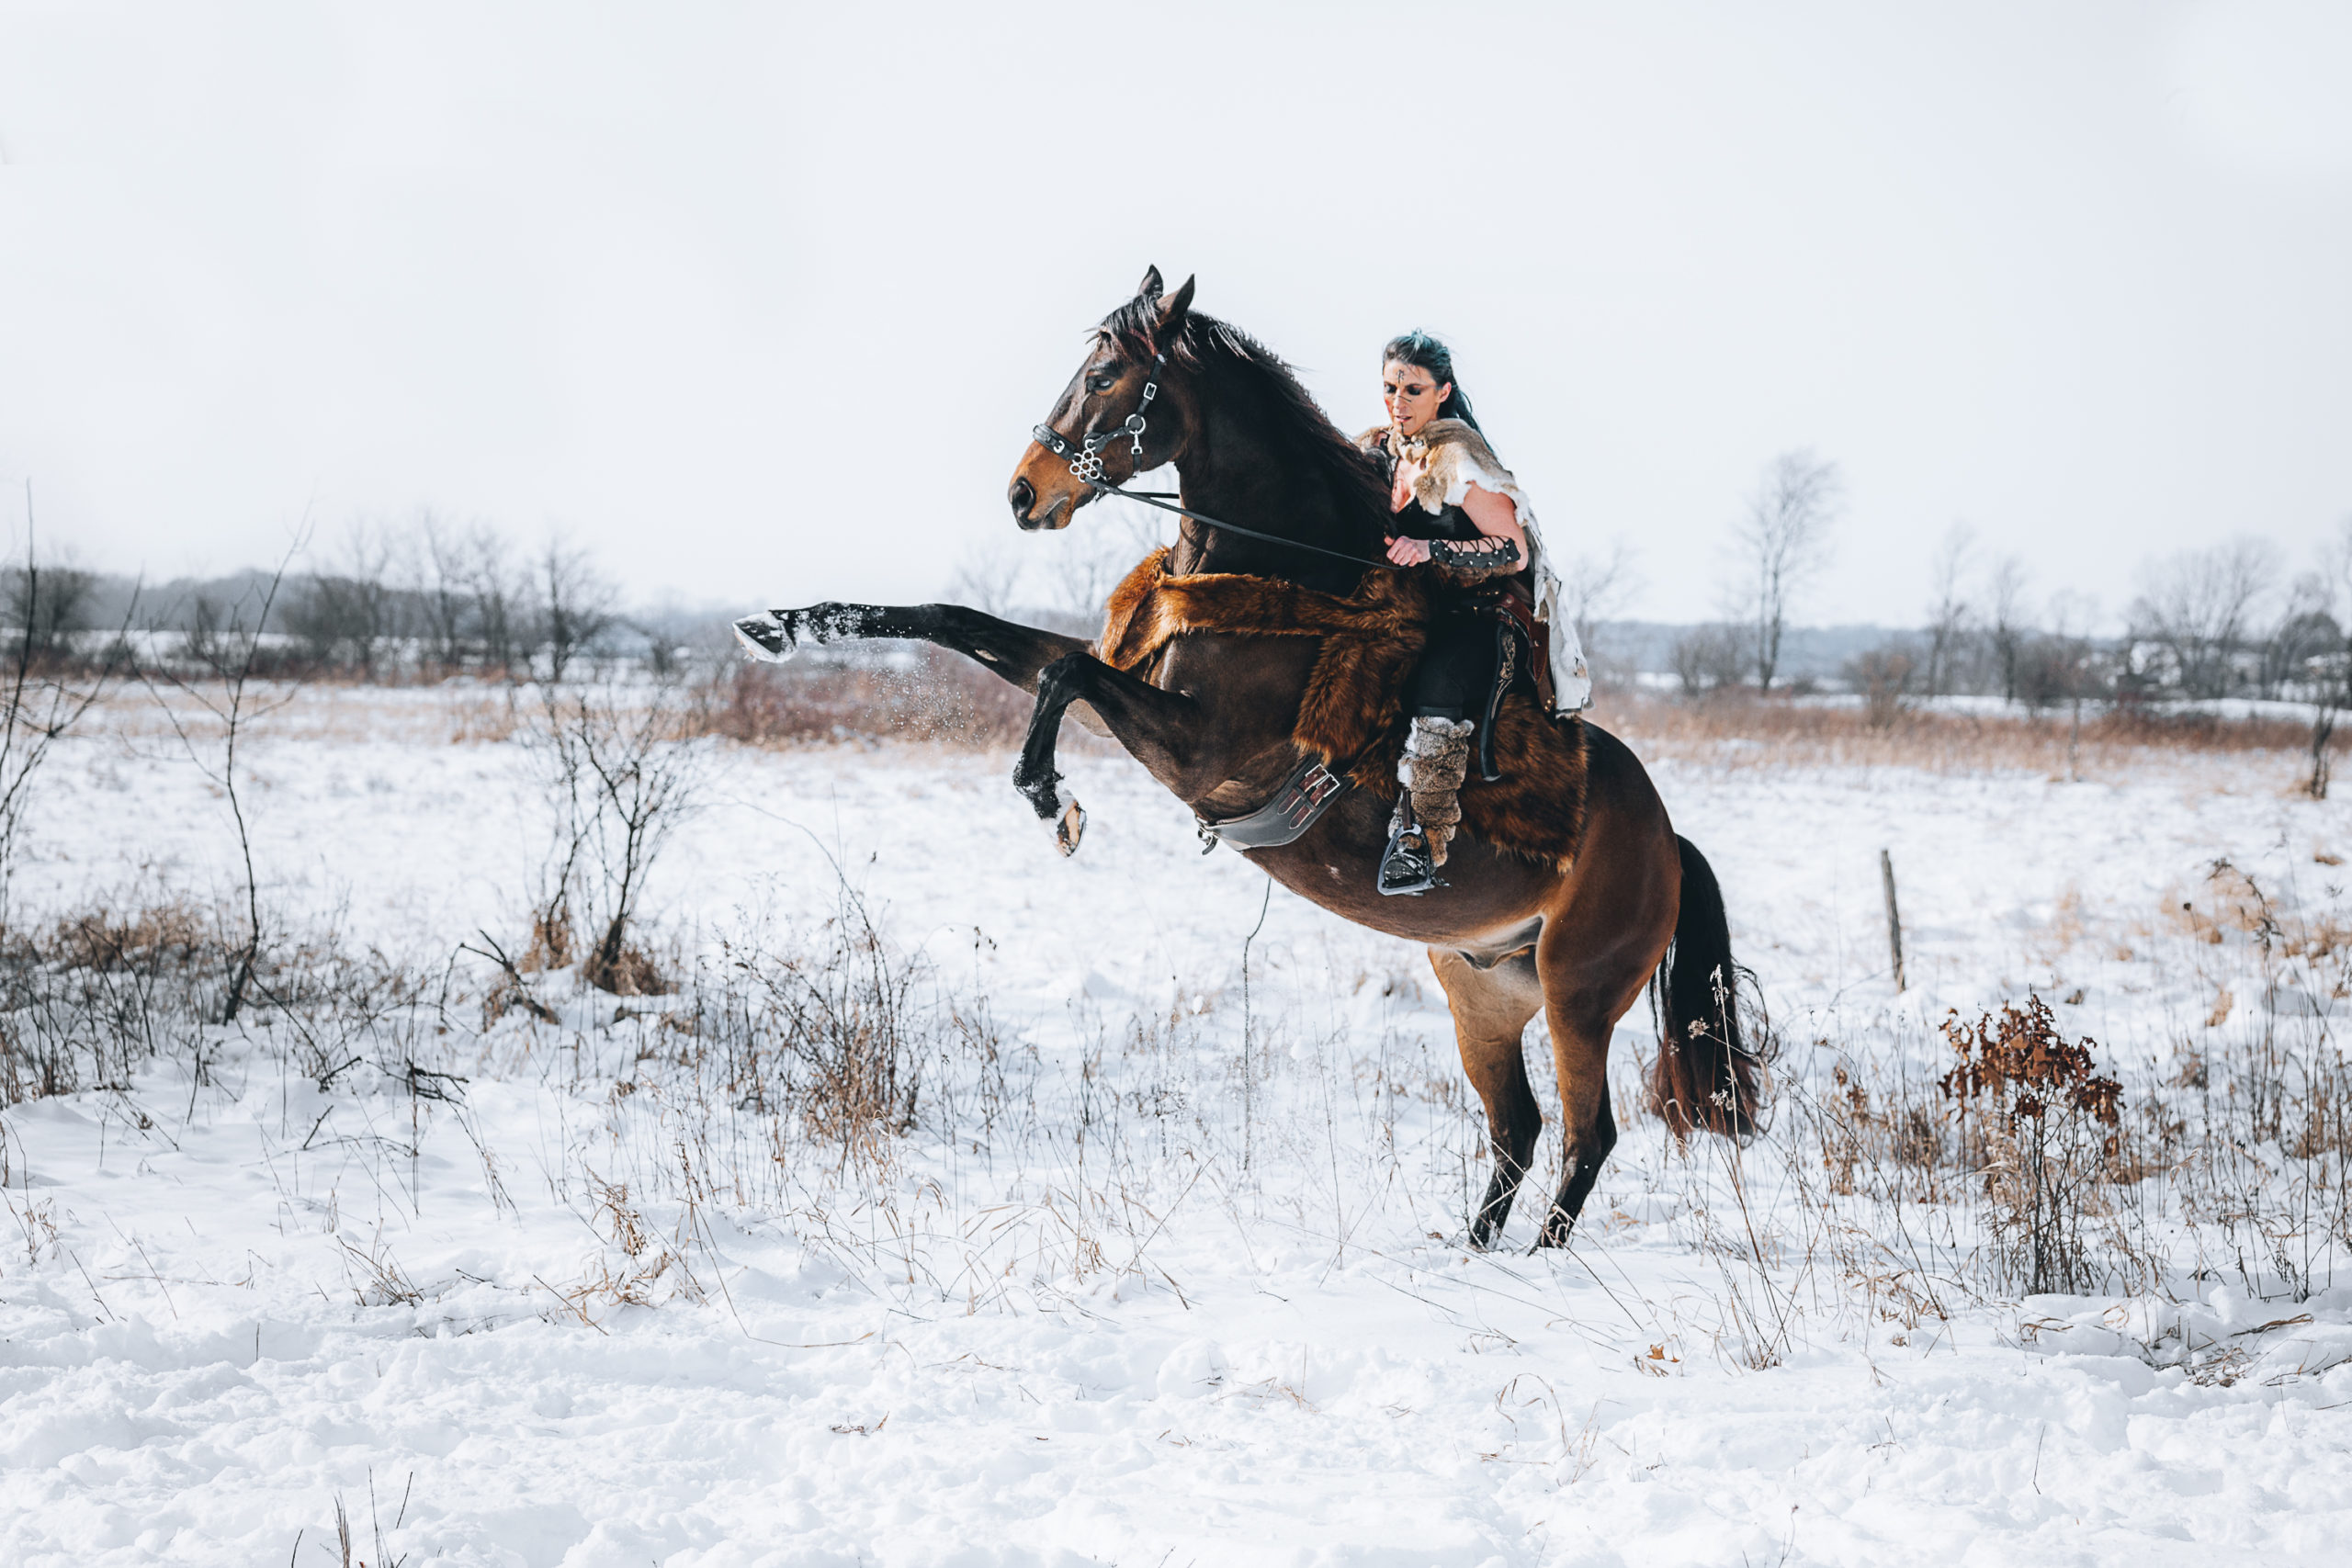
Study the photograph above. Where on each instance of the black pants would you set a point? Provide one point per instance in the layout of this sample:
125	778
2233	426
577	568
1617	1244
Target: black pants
1457	668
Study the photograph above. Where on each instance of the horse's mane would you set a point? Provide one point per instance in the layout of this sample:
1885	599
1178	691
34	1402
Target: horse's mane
1303	433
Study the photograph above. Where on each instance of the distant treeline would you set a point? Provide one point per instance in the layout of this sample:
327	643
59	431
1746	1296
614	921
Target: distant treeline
426	599
389	603
2227	621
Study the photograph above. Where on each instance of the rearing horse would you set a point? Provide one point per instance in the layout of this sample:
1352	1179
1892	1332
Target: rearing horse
1508	936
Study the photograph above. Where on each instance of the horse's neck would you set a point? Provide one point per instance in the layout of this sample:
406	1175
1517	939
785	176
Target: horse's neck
1243	479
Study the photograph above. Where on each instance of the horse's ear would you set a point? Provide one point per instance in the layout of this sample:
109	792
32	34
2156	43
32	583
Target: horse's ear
1172	311
1150	288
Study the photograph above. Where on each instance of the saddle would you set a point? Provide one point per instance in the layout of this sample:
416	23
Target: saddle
1529	797
1522	651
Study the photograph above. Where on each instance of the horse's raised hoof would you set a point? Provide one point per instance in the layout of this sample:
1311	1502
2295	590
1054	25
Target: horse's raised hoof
766	636
1069	824
1556	1226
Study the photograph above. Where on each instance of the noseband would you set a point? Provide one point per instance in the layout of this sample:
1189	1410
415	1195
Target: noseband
1086	466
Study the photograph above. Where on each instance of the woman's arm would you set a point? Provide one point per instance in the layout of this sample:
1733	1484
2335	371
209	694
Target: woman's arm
1495	518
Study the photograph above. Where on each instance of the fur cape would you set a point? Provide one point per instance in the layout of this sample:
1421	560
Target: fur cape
1354	703
1454	457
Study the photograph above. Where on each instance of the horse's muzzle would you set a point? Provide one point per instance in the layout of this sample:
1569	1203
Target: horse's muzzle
1023	498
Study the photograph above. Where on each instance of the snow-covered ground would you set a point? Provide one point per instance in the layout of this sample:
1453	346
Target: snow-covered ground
1179	1278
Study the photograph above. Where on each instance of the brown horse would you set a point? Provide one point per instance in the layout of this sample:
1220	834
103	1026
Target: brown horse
1507	935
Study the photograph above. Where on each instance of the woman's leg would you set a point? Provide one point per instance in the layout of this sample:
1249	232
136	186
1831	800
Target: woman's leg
1450	687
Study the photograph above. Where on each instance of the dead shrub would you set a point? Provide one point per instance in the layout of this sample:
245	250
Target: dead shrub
2046	1136
621	780
837	1032
1889	1142
93	996
552	944
1882	675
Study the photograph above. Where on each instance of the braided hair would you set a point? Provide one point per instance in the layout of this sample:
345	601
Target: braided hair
1419	349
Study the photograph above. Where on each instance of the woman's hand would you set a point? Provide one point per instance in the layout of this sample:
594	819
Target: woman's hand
1408	552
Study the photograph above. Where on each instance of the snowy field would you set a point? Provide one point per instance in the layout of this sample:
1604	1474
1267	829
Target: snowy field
1170	1266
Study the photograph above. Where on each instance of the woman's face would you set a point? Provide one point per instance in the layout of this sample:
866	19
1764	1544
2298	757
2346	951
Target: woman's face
1412	395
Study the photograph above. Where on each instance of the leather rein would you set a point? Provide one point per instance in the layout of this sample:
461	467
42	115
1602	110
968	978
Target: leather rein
1086	465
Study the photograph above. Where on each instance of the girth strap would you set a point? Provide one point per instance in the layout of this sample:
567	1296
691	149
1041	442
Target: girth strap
1296	806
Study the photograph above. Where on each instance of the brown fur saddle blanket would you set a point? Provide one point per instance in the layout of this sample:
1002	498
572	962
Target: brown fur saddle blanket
1353	705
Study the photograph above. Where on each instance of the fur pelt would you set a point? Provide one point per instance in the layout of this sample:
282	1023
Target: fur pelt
1454	457
1353	705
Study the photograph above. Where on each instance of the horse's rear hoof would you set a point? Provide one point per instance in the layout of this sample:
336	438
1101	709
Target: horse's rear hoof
764	636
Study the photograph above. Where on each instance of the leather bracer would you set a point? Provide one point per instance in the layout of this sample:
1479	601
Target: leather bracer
1467	561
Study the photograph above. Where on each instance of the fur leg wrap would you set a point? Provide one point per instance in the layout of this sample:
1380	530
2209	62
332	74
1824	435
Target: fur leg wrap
1437	756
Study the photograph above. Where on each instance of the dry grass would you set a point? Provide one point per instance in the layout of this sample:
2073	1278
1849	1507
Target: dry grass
938	696
1737	728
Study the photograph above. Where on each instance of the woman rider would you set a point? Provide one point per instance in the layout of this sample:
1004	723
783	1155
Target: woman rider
1459	514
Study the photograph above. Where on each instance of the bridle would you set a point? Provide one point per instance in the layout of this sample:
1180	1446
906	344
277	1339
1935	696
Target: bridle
1086	466
1086	462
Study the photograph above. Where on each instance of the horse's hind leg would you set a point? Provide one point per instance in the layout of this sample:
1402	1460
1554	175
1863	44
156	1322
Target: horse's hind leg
1490	1008
1590	978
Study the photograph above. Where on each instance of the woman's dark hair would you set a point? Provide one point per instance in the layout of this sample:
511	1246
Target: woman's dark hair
1418	348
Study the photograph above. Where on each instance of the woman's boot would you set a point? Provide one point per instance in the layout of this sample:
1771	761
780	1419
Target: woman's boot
1437	756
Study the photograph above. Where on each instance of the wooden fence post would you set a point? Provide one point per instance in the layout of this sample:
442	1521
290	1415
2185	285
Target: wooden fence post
1894	918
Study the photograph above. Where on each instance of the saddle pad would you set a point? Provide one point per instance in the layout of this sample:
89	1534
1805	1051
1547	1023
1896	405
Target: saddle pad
1353	705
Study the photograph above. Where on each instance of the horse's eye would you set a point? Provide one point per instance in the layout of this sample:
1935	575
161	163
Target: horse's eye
1099	383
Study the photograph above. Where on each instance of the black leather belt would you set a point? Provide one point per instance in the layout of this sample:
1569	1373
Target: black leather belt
1302	797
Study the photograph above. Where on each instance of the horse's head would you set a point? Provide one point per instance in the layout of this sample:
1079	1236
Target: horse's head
1104	425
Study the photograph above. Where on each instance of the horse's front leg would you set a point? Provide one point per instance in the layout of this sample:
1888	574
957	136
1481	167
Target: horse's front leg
1016	652
1159	729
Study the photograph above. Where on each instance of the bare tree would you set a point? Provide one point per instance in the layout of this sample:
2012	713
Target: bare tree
1947	610
1082	567
346	615
621	780
1596	588
38	706
2332	665
575	604
48	605
1706	658
227	657
498	599
2306	633
2197	606
2006	593
438	570
2063	665
986	578
1786	541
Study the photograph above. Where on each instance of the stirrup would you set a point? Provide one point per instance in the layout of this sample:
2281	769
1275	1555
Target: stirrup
1407	870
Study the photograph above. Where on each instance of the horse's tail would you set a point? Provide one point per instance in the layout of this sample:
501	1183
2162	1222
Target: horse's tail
1712	1064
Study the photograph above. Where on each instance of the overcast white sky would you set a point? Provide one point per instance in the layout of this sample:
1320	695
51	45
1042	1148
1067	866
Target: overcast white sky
761	301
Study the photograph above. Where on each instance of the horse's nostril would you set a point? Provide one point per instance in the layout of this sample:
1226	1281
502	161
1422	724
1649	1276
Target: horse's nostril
1023	497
